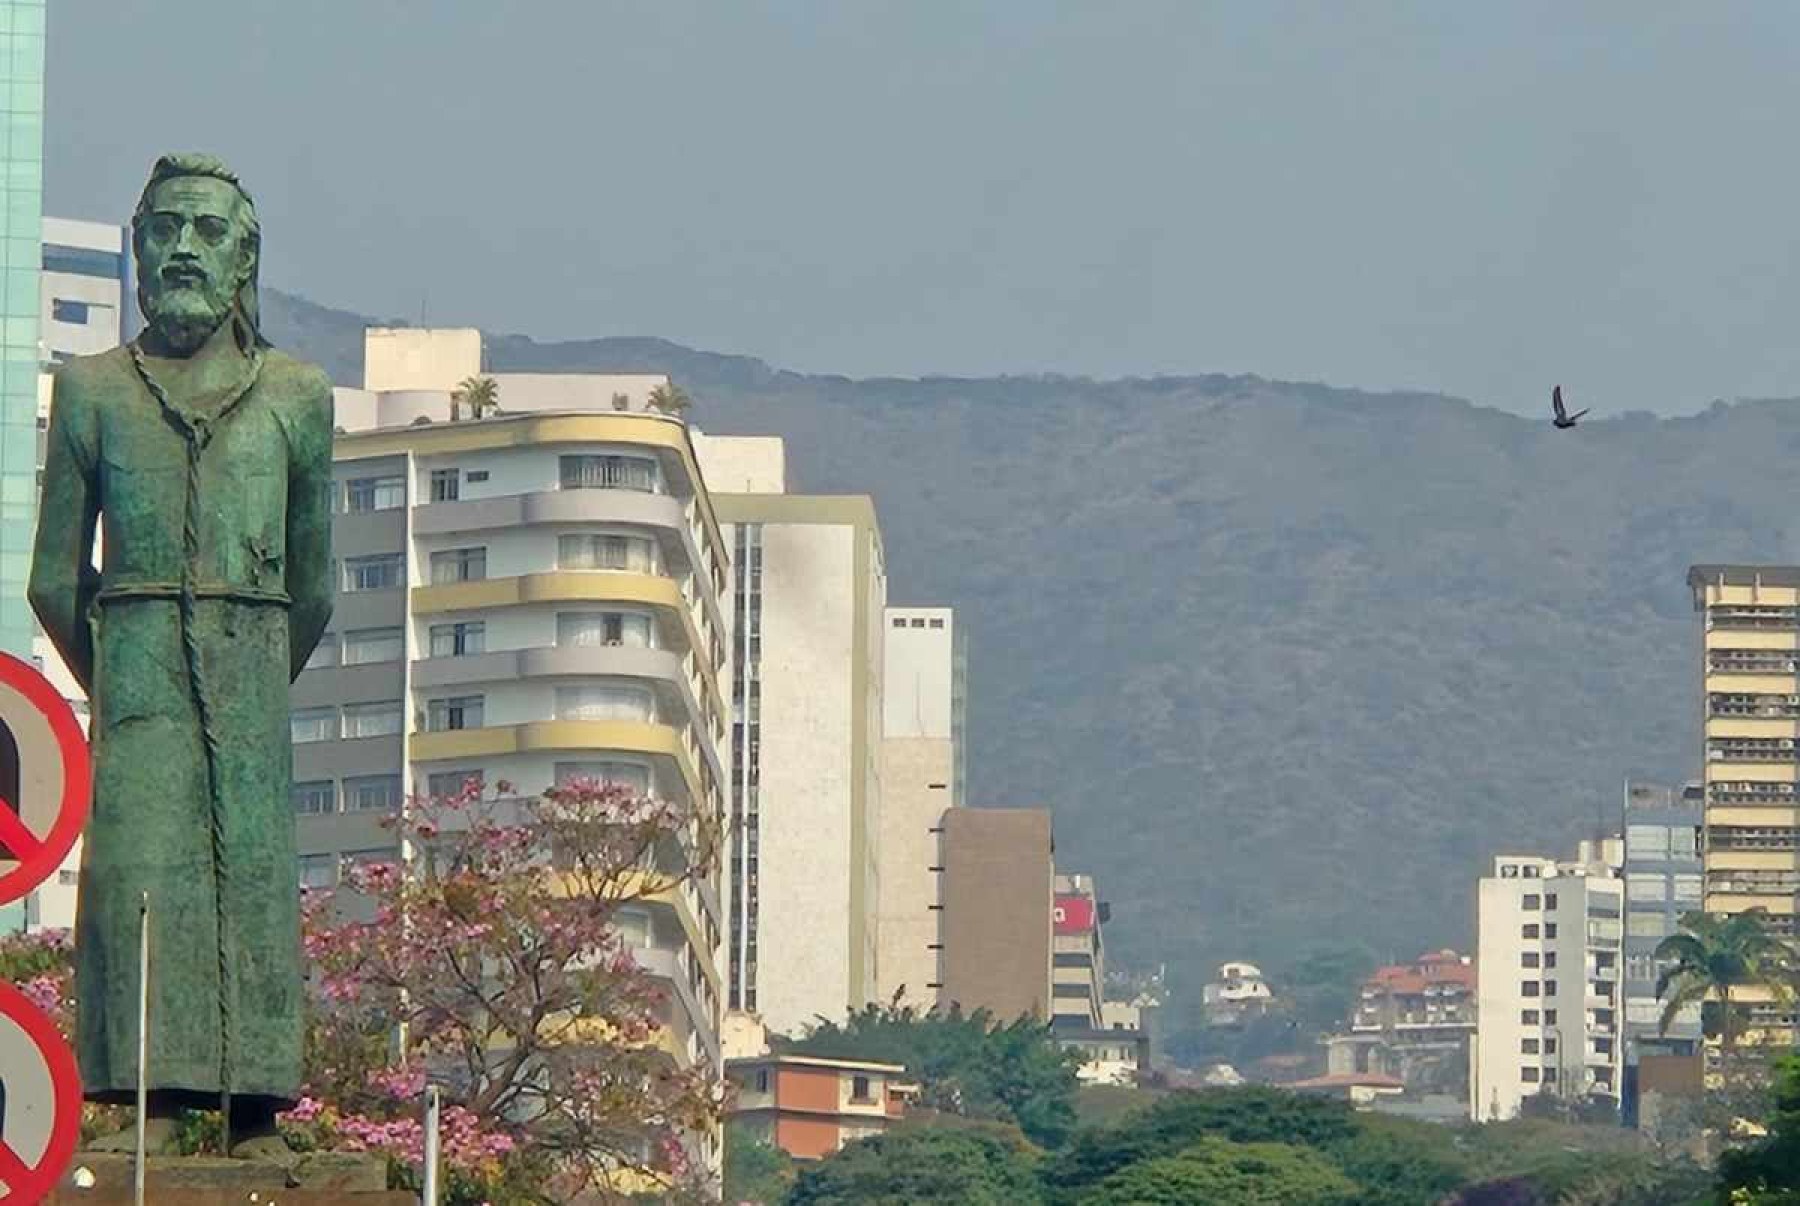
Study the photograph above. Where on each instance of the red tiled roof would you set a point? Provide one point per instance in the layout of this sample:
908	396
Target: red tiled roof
1338	1080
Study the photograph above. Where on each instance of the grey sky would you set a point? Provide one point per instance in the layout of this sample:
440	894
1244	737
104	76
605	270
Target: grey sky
1477	198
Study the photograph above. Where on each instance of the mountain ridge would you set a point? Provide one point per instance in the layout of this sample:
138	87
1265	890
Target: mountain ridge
1289	662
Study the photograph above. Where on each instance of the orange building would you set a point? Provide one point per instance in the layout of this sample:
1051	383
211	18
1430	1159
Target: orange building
809	1107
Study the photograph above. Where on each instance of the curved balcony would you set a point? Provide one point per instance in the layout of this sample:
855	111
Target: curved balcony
655	741
663	514
578	586
661	667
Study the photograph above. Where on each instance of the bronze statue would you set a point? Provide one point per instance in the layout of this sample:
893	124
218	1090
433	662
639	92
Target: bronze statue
206	455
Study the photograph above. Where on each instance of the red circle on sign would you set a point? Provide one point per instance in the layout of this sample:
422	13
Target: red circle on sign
47	853
33	1183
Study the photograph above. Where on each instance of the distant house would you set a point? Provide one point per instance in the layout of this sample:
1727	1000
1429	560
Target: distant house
1360	1089
810	1107
1239	993
1412	1021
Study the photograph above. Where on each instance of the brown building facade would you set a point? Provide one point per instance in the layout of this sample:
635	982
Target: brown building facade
998	898
810	1107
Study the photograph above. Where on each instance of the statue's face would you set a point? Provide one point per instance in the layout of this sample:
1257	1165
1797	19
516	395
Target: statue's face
192	258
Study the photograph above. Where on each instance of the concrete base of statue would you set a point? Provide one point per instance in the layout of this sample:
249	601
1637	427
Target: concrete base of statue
319	1178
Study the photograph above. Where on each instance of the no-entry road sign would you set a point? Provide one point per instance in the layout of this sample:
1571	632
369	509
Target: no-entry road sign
45	778
40	1101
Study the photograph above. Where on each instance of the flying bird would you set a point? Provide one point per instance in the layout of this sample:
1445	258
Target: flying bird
1563	417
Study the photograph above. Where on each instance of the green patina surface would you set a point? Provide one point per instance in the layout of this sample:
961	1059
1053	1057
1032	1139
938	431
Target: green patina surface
204	458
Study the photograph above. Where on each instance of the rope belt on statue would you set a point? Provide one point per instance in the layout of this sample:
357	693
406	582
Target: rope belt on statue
197	430
128	591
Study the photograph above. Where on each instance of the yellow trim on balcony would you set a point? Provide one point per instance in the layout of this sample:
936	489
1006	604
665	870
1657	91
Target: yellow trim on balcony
574	586
1755	638
524	431
1743	814
1752	684
1778	904
1752	772
646	885
492	741
1747	726
1751	860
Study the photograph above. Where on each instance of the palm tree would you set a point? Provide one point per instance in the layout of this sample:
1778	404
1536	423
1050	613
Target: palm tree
481	394
671	399
1715	954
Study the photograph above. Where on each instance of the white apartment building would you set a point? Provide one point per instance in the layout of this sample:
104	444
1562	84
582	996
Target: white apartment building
83	294
530	596
923	709
1548	966
806	691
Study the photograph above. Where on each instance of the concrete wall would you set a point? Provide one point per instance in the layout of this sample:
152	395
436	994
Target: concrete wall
396	358
997	898
915	792
742	464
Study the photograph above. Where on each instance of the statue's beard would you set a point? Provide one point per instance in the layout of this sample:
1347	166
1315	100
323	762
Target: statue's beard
184	317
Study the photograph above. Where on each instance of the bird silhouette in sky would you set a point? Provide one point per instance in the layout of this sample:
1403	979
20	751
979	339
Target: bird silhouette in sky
1563	417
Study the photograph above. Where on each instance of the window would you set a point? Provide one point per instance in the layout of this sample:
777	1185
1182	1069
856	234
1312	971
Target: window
1528	988
859	1089
84	261
1687	888
459	565
899	622
372	793
1647	925
1528	1075
1528	959
63	310
477	475
1647	887
607	551
372	719
1549	1017
314	797
1549	929
1549	988
446	485
384	571
595	628
1531	901
630	775
1550	959
459	640
937	623
1683	842
608	473
605	701
1528	1046
313	724
454	712
1602	1046
374	494
1549	900
1643	1010
1528	1017
67	878
919	623
1549	1076
446	785
324	654
1647	841
1529	931
762	1080
364	646
317	871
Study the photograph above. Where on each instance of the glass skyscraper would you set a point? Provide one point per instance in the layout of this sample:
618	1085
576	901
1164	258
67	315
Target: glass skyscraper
21	256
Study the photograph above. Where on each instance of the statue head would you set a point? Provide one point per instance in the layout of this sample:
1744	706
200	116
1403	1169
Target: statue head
198	245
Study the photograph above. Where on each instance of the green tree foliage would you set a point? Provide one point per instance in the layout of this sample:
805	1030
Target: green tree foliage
479	394
1768	1173
1218	1170
1323	983
671	399
925	1166
755	1170
1712	956
965	1063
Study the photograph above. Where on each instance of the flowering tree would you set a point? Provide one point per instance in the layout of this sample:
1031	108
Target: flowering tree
495	954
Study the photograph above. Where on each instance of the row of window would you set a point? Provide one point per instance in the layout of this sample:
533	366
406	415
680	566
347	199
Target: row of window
580	551
1751	616
608	471
1534	1017
468	638
1534	988
1752	837
1660	842
1531	929
1757	882
365	793
320	871
1533	959
1752	661
1661	888
385	793
1536	1046
1531	901
1739	703
592	701
918	622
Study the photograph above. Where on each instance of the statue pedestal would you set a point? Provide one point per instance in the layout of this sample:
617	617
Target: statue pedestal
318	1179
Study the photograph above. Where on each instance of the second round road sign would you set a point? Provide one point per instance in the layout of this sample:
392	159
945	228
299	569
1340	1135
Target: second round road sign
43	807
40	1119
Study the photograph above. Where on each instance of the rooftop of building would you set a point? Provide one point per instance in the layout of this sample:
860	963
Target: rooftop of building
772	1059
1436	969
1742	575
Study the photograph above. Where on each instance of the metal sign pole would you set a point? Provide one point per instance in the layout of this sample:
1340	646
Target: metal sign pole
430	1195
143	1020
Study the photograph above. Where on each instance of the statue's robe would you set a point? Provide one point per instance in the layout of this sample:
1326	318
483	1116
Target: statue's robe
214	588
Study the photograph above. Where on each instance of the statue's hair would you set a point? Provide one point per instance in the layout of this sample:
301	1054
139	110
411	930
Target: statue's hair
245	310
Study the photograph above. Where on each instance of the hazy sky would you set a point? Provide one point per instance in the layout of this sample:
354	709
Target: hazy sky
1475	198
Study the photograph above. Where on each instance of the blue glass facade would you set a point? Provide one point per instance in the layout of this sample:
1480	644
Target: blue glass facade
21	255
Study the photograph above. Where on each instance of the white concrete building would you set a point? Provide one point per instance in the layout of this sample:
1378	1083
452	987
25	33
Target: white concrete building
1548	968
530	596
922	774
807	615
83	296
